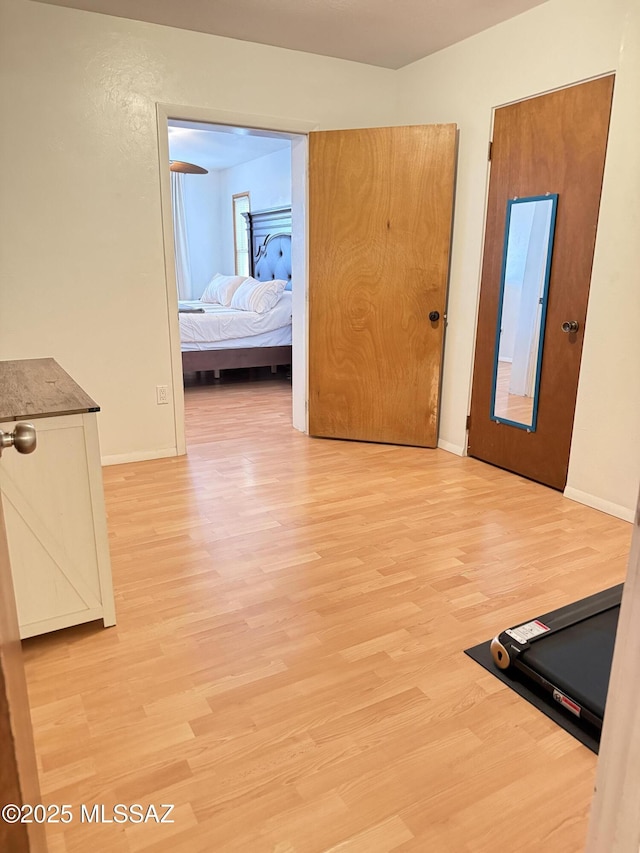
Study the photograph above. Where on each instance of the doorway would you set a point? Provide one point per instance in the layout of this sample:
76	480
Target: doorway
231	209
547	165
296	131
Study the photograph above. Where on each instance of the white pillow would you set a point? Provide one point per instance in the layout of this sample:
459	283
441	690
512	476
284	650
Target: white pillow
258	296
221	288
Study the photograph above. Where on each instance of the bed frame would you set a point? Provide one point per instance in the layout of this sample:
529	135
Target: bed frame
269	238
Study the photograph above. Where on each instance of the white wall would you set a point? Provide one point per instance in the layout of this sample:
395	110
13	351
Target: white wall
268	181
81	245
204	228
553	45
605	453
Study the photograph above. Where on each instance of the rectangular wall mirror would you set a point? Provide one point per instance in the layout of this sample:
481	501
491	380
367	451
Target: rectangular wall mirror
526	266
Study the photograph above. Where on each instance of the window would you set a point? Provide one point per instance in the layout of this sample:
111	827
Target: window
240	237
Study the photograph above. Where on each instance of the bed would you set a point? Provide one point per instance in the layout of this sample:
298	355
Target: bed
214	337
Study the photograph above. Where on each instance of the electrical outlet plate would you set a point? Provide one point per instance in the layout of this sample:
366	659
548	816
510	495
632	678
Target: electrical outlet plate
162	394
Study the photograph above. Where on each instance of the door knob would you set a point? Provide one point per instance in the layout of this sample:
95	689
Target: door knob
23	438
434	315
570	326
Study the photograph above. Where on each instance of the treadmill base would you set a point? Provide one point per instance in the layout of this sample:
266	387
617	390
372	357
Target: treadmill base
540	699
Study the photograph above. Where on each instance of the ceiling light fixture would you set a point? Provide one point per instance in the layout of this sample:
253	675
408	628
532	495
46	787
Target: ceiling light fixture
186	168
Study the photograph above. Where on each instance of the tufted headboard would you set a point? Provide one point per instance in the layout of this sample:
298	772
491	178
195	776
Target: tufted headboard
270	241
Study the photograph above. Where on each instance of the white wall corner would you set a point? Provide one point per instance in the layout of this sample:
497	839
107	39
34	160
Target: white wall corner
458	449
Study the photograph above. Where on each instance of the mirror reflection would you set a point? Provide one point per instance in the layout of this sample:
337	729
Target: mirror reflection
522	307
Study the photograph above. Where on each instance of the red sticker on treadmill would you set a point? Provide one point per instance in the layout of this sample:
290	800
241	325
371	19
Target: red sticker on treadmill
567	703
524	633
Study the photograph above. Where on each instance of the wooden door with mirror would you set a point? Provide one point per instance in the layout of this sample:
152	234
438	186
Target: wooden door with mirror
380	213
547	165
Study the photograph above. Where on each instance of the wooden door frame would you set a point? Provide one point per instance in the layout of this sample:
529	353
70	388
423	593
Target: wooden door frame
299	130
19	774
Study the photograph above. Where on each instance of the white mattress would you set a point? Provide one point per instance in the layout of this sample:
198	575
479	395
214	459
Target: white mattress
276	338
223	328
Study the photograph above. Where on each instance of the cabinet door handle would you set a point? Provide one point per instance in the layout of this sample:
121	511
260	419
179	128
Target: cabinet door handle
23	438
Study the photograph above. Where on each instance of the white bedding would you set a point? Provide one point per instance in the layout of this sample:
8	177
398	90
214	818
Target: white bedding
223	328
276	338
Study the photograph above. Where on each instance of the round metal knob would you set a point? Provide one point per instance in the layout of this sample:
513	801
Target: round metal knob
570	326
23	438
434	315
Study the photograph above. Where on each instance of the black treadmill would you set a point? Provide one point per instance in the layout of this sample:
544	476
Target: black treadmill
567	653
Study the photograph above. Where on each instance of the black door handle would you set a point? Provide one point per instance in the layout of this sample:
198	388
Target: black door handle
434	315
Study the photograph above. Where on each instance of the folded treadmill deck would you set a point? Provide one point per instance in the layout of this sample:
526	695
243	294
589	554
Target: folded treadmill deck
568	652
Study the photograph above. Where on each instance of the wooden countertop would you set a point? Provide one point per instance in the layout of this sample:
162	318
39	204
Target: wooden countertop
39	388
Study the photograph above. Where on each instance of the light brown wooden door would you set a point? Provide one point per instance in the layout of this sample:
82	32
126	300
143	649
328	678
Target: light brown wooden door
380	211
555	143
18	772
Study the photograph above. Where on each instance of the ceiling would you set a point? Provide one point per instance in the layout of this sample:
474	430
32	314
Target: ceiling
388	33
218	146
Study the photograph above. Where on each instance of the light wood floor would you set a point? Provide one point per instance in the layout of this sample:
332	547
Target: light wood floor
288	663
511	406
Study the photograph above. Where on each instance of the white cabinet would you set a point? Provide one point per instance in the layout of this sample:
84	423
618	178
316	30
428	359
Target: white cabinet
56	526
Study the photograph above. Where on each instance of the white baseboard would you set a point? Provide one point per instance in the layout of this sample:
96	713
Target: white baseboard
451	448
138	456
623	512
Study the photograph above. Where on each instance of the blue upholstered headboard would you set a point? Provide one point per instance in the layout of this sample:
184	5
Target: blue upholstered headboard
274	259
270	241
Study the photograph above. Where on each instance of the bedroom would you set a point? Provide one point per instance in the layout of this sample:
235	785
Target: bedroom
231	190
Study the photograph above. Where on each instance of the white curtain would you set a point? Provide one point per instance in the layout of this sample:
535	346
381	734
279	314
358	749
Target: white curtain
183	264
